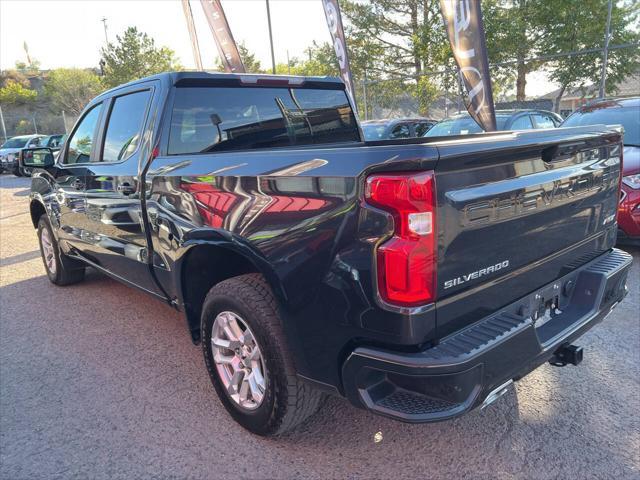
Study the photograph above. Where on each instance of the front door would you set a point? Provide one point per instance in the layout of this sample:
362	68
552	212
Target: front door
70	176
113	207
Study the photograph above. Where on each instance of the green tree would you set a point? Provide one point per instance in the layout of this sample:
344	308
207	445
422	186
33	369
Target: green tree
70	89
320	61
576	30
14	93
249	60
388	38
134	55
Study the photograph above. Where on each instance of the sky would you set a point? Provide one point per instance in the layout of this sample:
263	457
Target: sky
70	33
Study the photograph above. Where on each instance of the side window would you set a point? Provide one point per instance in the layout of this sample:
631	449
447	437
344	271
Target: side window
34	142
522	123
401	131
82	139
124	126
422	128
544	121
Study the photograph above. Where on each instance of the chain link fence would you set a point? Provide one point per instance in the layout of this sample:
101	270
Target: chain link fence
17	121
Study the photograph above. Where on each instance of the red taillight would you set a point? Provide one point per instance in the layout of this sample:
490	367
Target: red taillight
407	261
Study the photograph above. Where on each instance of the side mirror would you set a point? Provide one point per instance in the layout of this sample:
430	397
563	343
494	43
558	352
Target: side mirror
39	157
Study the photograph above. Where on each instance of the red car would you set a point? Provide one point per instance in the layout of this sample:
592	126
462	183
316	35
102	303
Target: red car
626	112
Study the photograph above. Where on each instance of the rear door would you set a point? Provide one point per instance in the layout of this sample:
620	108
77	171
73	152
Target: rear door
113	205
518	210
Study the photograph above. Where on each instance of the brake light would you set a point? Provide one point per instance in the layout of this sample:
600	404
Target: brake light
406	263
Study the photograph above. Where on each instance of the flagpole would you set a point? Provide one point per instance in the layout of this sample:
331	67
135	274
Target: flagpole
193	36
273	57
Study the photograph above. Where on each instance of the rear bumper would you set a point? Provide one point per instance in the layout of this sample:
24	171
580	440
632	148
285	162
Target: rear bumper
460	372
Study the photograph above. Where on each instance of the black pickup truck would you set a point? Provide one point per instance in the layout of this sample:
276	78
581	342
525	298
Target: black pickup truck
417	278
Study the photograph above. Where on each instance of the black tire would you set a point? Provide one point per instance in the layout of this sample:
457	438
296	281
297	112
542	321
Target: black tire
287	401
16	172
67	270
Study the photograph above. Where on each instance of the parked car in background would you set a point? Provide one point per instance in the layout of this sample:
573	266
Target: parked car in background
463	124
11	150
53	142
386	129
626	112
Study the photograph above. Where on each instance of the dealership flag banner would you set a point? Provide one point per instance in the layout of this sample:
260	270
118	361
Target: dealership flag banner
222	34
334	21
465	28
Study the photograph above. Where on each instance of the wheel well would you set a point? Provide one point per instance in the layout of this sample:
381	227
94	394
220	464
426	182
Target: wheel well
37	210
204	267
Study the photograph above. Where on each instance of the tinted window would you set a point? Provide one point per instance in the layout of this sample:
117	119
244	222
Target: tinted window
82	139
227	118
629	117
461	126
54	141
374	131
34	142
401	131
125	126
458	126
421	128
522	123
543	121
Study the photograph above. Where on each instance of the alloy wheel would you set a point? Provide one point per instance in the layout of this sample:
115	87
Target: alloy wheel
238	360
48	251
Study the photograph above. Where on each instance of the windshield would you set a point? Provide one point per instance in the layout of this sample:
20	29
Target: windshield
15	143
629	117
461	126
374	132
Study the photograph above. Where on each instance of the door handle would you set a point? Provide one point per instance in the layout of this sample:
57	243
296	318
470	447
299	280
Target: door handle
126	189
78	184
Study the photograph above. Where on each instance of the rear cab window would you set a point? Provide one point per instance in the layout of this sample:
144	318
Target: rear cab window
212	118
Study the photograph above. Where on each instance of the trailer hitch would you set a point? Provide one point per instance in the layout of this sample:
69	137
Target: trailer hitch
567	354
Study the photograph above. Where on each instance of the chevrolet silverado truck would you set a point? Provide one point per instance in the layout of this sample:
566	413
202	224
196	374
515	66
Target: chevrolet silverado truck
418	278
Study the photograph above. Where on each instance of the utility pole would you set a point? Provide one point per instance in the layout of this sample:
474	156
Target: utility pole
605	53
364	96
104	21
273	57
288	63
4	129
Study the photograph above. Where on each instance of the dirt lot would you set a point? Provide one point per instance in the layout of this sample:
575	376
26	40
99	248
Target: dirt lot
99	381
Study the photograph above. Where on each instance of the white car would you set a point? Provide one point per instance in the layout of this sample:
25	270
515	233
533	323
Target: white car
10	151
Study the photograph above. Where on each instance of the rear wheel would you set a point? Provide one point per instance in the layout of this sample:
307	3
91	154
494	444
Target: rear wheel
248	360
60	269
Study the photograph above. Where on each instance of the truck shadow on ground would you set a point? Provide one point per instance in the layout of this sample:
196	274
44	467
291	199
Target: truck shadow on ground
104	347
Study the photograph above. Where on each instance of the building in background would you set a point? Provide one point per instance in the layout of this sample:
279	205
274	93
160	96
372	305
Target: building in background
572	99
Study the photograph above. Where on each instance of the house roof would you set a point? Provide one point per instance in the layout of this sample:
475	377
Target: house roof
629	87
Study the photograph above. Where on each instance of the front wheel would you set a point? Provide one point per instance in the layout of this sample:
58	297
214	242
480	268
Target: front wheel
60	269
248	360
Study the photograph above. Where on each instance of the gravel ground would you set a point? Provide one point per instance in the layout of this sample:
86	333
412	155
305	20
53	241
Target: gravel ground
98	380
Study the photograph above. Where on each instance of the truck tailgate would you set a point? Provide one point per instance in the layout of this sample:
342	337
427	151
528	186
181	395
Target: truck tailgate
518	210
